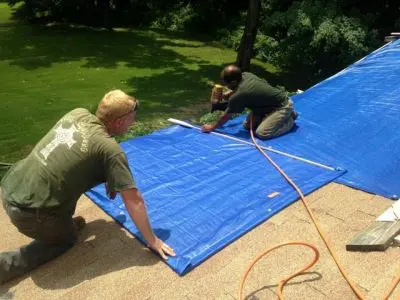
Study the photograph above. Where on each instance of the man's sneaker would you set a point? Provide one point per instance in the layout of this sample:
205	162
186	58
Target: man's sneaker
79	223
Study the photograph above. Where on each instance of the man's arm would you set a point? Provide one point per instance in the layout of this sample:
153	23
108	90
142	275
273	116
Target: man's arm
136	208
222	120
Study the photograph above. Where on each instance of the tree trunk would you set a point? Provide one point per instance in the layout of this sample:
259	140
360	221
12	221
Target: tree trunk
104	13
249	35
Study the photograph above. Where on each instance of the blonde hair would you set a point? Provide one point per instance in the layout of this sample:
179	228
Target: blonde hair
114	105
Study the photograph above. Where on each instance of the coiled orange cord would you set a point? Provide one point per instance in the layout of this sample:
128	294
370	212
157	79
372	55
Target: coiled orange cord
284	281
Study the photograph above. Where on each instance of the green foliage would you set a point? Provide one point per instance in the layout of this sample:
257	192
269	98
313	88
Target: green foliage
231	37
140	128
178	18
190	15
344	36
266	47
210	117
314	36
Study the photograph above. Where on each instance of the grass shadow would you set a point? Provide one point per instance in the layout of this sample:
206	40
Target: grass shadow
34	46
174	89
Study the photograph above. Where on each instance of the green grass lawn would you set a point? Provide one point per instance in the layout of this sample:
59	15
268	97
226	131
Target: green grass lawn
46	71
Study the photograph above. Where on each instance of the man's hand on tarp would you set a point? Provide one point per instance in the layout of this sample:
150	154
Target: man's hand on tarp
161	248
207	128
222	120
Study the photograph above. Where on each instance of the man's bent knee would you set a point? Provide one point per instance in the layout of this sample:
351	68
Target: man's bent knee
262	135
271	132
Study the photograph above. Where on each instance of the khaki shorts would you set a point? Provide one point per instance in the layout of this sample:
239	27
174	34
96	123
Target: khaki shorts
273	124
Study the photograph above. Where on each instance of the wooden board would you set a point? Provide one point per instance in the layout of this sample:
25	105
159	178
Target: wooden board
376	237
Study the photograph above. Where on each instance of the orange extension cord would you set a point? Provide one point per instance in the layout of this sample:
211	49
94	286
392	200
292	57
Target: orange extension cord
262	254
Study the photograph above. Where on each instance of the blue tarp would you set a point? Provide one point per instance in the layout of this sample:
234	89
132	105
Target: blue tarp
351	120
204	191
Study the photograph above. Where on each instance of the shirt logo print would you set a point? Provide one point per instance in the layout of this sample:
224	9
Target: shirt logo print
64	136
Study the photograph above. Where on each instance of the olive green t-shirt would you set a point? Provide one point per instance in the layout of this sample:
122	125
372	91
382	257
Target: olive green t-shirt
74	156
256	94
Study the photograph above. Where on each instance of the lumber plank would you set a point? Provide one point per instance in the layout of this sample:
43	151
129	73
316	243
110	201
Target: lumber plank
376	237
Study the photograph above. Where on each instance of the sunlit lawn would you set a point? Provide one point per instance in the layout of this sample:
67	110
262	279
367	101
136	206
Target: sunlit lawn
47	71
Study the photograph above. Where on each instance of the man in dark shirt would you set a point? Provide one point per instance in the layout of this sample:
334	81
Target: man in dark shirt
273	112
40	192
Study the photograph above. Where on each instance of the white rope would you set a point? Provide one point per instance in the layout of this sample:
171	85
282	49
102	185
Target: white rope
185	124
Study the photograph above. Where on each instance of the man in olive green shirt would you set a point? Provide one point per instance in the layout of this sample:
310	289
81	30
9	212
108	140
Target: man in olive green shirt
273	112
40	192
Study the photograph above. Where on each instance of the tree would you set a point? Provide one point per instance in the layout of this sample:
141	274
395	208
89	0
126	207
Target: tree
245	51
